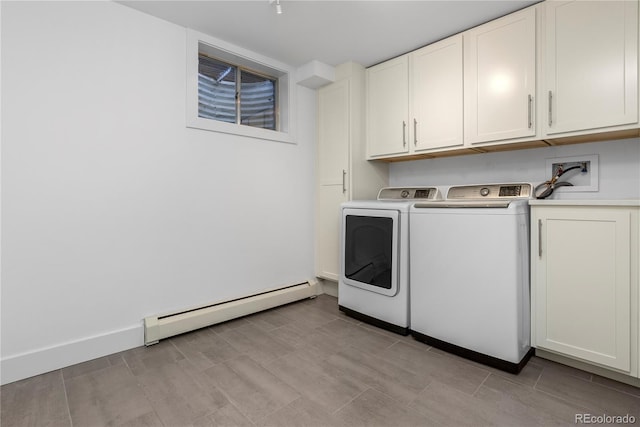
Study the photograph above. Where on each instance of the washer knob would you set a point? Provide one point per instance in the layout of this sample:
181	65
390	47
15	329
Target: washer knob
404	194
484	191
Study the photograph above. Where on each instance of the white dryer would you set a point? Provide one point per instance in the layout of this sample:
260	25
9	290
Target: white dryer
470	273
374	259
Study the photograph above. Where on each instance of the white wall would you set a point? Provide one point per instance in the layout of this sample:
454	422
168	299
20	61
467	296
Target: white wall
619	169
112	209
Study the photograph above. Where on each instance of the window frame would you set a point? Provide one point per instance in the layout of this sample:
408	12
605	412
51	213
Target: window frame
198	42
242	103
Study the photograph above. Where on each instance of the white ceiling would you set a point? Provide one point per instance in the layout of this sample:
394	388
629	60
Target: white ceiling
329	31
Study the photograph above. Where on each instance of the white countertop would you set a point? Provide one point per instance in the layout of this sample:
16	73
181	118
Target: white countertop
626	202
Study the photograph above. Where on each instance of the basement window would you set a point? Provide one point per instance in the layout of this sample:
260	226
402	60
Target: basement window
232	94
234	91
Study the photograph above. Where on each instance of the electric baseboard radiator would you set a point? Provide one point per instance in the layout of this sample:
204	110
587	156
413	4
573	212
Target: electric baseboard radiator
168	325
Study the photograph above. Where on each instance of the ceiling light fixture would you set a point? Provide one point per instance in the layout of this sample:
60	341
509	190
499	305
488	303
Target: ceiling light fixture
278	7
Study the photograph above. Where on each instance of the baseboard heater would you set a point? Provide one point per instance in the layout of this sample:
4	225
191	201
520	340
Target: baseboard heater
168	325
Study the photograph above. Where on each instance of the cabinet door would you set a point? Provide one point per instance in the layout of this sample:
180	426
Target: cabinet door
388	107
333	133
328	231
500	78
333	170
436	95
582	283
591	71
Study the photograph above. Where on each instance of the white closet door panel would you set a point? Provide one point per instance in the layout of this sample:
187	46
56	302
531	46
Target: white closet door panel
328	222
333	132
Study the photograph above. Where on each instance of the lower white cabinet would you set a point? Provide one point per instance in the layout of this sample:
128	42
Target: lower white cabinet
584	271
328	231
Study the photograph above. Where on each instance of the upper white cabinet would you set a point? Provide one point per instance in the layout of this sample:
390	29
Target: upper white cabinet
557	72
388	107
436	98
591	66
500	79
414	102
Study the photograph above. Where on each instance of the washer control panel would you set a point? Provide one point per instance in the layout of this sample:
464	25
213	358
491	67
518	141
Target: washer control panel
490	191
409	193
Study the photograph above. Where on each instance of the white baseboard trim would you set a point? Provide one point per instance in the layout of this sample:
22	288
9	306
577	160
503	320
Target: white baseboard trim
603	372
329	287
25	365
161	326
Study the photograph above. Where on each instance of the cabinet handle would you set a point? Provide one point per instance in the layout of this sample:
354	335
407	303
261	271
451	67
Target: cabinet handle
404	133
529	111
415	132
539	238
344	181
550	108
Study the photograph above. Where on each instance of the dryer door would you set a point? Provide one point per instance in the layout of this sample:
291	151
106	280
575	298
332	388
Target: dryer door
370	250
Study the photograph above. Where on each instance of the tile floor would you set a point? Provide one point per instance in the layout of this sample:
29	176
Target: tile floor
306	364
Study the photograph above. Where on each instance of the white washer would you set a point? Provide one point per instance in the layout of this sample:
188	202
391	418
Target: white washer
469	258
374	257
